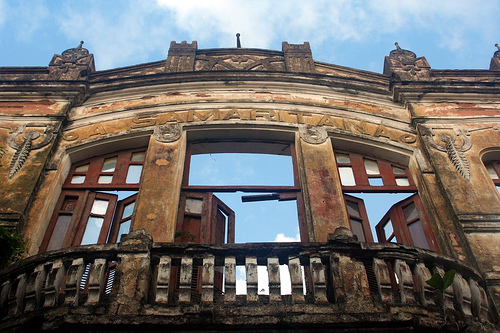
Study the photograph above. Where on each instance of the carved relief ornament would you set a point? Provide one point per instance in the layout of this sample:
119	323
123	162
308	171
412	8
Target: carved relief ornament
453	149
167	133
313	134
23	141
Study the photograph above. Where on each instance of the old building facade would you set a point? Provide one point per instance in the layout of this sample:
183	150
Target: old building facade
95	176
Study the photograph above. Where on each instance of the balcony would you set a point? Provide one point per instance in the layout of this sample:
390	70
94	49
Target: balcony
336	286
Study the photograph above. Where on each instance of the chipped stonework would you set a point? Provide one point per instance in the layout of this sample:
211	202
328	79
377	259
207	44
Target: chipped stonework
167	133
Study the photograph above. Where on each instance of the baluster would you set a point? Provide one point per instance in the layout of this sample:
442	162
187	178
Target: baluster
252	279
163	279
383	276
427	293
296	278
4	297
462	294
53	284
34	288
230	283
73	280
273	271
403	272
96	281
445	298
319	281
185	280
479	301
207	280
16	297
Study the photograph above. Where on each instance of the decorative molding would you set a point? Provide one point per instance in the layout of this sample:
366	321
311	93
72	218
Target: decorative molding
404	65
27	144
454	151
239	62
167	133
313	134
71	64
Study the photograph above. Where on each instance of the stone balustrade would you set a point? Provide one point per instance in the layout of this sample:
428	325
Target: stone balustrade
157	283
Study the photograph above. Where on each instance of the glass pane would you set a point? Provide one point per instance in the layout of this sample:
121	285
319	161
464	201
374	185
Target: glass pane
410	212
105	179
342	158
376	181
402	182
398	171
82	168
99	207
357	229
124	229
127	211
371	167
194	206
59	232
138	157
92	230
492	172
388	230
346	176
78	179
353	209
134	174
109	164
418	235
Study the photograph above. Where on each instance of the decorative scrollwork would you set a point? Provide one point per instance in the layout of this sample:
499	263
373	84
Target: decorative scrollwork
313	134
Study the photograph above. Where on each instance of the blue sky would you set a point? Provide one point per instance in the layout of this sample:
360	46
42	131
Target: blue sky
453	34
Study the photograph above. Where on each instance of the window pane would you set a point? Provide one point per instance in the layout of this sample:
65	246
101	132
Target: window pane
410	212
346	176
357	229
78	179
418	235
134	174
353	209
105	179
402	182
138	157
92	230
99	207
194	206
376	181
398	171
124	229
109	164
342	158
492	172
371	167
127	211
388	230
59	232
82	168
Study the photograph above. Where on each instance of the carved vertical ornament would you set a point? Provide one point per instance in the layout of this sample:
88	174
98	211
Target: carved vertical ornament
168	133
454	150
23	142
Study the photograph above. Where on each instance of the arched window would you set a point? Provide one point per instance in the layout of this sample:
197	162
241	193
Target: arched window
97	201
390	190
492	163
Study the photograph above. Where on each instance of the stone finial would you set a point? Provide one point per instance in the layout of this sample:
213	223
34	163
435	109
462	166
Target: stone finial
495	60
298	58
73	64
238	42
404	65
181	57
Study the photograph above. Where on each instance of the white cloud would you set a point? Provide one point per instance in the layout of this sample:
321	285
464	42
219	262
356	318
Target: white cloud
281	238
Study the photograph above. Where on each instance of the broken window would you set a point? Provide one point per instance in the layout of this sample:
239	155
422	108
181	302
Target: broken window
378	190
97	201
239	192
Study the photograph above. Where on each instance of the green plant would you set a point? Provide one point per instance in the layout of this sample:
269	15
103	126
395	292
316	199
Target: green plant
12	246
442	282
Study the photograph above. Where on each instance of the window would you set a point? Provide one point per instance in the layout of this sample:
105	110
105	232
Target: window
239	191
493	168
97	201
373	186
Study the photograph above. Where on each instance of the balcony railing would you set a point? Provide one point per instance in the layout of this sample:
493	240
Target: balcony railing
341	282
